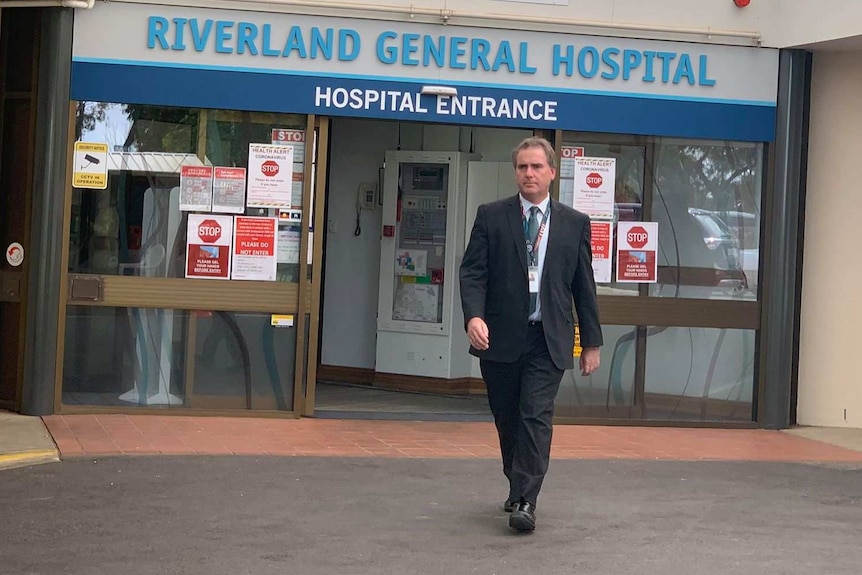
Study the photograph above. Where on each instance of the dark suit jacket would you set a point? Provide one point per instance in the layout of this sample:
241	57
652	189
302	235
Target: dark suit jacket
494	282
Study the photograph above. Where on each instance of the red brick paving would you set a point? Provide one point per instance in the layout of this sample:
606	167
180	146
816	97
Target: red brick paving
103	435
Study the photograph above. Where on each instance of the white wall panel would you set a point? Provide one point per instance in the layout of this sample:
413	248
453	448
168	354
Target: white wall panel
829	368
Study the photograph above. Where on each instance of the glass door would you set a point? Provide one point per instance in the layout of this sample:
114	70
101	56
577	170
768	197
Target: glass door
684	346
185	274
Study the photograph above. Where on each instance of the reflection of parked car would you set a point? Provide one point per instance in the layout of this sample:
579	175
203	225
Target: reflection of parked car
717	237
745	227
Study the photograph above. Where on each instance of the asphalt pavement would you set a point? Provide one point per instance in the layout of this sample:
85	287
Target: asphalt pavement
317	515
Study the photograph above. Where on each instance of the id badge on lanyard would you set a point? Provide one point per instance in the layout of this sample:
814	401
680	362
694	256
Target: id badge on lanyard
533	252
533	278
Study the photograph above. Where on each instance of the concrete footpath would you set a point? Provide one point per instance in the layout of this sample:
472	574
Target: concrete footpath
25	440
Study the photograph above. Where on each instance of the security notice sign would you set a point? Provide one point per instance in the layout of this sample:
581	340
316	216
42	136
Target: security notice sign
270	176
296	140
637	243
602	232
254	248
208	246
594	187
91	166
196	188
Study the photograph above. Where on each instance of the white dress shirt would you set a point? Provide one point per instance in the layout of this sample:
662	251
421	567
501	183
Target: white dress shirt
544	205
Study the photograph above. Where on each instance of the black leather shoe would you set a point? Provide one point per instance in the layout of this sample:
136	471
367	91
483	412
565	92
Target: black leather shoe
523	517
508	506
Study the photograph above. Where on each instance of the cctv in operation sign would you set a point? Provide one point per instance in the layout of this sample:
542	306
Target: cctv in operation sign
90	168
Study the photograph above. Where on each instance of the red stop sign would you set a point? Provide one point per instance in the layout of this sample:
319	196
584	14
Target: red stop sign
209	231
269	168
594	180
637	237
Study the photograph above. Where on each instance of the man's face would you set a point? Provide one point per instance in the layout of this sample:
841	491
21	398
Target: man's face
533	174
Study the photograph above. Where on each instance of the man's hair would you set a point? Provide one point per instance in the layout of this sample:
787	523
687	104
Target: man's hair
534	142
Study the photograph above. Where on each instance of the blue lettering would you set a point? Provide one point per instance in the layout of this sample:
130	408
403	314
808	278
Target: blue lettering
683	68
199	39
294	42
456	50
348	36
266	48
387	54
631	60
593	53
504	56
649	57
246	34
409	47
665	58
559	59
523	67
322	44
479	54
703	75
179	25
222	36
436	51
156	28
608	58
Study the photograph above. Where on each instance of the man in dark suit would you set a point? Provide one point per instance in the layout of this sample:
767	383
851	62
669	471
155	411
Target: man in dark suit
528	259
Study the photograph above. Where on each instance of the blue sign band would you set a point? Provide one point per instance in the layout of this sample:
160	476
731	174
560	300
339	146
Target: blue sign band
401	100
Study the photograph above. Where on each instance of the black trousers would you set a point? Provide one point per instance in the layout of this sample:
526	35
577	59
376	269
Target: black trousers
521	395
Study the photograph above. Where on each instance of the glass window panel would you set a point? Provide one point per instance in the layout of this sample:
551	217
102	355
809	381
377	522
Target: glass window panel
242	361
124	356
628	196
611	387
135	226
699	374
139	357
707	204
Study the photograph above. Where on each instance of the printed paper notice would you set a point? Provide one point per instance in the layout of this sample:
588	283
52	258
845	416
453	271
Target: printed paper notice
196	188
411	263
229	190
208	246
270	176
637	243
602	232
288	244
567	172
295	139
254	248
594	187
416	302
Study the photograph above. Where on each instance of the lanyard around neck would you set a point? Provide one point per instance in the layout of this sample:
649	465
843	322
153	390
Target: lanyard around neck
533	248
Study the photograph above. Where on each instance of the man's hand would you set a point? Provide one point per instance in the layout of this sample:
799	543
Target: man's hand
590	360
477	333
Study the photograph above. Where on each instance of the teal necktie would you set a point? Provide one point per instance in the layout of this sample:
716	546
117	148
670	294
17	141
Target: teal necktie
532	249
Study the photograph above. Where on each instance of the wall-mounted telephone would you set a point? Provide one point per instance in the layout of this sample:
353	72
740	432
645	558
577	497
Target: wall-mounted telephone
366	196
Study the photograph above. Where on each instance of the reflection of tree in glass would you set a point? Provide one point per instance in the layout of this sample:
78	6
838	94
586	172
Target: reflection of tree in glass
150	128
713	177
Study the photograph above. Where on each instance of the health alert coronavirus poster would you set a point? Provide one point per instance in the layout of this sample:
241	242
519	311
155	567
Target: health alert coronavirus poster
270	176
208	246
254	248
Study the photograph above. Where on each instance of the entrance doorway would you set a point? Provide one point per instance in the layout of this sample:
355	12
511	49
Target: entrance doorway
19	42
378	356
